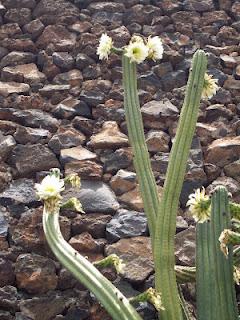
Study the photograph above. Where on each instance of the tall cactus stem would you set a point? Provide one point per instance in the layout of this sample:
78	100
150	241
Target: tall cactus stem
216	297
164	258
110	297
141	158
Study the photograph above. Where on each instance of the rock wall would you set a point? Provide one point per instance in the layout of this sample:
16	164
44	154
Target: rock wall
60	107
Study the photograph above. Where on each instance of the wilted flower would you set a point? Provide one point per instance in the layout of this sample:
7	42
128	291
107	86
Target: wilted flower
155	299
50	187
73	204
155	48
224	239
137	51
199	205
210	87
105	46
73	179
236	275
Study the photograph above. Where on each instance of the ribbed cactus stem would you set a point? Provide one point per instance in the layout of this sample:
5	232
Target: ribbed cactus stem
141	158
216	297
106	293
165	277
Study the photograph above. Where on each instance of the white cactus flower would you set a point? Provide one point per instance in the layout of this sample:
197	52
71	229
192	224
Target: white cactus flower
210	87
137	51
199	205
50	187
105	46
155	48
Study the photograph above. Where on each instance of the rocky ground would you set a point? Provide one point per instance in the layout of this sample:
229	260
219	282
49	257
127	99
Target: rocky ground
60	107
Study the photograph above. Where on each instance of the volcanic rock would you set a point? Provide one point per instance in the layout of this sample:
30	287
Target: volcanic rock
35	274
123	181
66	138
15	57
53	302
7	276
93	223
86	169
126	224
58	36
28	73
223	151
136	253
109	137
95	196
20	191
76	154
30	159
7	88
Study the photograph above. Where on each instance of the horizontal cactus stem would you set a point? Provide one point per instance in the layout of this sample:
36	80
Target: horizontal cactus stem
164	258
109	296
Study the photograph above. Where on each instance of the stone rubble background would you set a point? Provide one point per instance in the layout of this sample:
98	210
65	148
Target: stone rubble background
61	107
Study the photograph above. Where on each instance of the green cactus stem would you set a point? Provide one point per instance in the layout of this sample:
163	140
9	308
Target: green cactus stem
216	298
164	258
141	158
109	296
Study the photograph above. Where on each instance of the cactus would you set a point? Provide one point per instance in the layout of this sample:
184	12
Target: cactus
216	298
166	219
141	158
111	298
161	214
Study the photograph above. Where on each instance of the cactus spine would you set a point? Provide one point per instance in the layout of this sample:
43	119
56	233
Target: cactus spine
216	298
164	258
111	298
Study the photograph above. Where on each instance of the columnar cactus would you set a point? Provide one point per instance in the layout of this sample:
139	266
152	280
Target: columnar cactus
166	218
110	297
216	297
161	213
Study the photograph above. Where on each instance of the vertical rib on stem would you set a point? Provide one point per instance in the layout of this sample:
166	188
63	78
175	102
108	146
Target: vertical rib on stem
141	159
110	297
164	258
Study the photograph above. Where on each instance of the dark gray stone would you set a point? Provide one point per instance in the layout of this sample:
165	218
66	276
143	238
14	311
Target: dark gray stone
26	135
30	118
173	80
126	224
15	57
219	75
82	60
199	6
30	159
185	247
7	276
7	143
95	196
119	159
9	298
53	302
3	224
20	191
63	60
92	98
